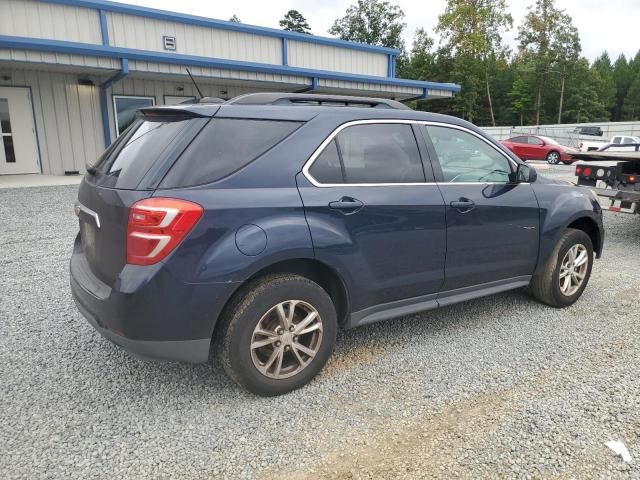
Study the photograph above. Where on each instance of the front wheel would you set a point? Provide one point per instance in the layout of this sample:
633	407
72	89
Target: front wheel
567	271
553	158
279	332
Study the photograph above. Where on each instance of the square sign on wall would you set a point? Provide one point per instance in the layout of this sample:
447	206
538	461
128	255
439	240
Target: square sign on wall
169	43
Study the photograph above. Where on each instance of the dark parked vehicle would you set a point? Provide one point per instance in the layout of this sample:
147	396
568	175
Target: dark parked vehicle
592	131
259	227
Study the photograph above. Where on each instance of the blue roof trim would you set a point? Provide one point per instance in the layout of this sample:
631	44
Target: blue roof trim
26	43
222	24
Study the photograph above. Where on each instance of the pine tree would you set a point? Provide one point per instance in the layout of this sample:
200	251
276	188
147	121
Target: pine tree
294	21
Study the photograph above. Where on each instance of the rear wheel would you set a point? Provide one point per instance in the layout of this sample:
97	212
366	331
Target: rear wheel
567	271
553	157
279	332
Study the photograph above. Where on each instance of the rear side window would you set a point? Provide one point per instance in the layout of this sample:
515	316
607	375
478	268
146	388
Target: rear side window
375	153
125	163
224	146
519	140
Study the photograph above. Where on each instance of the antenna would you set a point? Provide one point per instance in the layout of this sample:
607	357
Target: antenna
195	84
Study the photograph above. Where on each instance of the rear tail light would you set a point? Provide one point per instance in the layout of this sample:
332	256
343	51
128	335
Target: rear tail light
578	171
157	226
632	178
587	171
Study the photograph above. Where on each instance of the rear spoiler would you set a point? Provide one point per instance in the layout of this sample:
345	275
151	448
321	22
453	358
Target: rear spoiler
174	112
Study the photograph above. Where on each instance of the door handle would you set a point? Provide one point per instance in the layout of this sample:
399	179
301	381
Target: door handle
346	205
463	205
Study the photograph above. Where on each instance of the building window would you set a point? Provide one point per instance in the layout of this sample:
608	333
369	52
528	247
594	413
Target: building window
125	108
5	132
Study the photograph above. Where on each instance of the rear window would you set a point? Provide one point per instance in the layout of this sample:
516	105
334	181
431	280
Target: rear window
223	147
140	147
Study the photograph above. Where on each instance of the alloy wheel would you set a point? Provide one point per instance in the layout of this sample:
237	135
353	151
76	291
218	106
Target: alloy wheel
573	269
286	339
553	158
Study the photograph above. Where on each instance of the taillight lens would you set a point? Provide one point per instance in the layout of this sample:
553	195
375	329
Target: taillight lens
578	171
157	226
587	171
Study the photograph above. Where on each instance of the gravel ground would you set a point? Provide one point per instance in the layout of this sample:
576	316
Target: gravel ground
497	387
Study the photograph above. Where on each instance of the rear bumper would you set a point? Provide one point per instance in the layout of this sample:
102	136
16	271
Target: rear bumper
148	311
190	351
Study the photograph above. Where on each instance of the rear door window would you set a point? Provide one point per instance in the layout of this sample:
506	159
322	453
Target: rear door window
370	154
225	146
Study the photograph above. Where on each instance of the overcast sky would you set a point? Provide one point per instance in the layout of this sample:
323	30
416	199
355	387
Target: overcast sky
610	25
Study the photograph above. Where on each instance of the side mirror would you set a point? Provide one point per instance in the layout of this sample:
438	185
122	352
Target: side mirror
525	173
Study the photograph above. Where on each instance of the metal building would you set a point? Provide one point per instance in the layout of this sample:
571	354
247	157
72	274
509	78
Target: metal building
73	72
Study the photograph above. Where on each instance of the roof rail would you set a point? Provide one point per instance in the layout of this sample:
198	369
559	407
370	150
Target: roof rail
269	98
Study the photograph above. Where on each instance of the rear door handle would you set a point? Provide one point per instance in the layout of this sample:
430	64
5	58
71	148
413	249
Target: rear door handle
346	205
463	205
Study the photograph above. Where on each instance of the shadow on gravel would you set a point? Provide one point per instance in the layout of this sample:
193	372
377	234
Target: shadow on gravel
355	348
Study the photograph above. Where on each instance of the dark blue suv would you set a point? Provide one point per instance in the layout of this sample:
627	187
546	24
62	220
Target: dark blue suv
258	227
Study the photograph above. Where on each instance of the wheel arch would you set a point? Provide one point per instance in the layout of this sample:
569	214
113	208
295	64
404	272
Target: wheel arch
590	227
317	271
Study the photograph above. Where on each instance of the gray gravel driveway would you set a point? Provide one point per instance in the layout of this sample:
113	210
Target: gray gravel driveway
497	387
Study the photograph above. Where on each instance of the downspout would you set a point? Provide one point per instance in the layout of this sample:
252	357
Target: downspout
104	99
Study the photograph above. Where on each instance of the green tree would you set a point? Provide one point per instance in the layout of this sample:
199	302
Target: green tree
549	35
519	98
372	21
472	31
583	102
622	78
294	21
421	61
631	106
602	71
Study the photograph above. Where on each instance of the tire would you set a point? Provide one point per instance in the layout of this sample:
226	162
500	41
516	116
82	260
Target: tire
546	284
553	157
257	304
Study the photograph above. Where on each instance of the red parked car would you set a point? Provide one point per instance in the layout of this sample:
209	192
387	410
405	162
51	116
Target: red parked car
535	147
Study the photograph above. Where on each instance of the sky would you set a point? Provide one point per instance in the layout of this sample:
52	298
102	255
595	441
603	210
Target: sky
609	25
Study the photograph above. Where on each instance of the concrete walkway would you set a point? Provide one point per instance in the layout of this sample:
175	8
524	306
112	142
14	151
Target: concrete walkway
37	180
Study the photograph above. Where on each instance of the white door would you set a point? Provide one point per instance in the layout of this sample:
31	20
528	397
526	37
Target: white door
18	148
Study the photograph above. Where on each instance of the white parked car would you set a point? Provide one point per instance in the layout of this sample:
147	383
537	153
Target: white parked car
615	144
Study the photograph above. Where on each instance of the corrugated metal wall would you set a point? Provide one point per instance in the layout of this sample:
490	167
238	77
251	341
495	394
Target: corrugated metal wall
60	59
146	34
167	68
67	117
49	20
325	57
